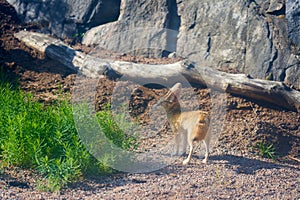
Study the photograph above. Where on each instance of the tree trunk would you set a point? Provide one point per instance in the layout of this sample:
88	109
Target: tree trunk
268	91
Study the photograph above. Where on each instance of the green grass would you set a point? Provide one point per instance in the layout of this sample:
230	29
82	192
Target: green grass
115	128
44	138
266	150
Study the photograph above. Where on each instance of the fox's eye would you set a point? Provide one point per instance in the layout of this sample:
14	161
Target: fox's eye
172	99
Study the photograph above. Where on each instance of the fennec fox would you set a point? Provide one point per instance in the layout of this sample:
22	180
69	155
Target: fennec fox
188	126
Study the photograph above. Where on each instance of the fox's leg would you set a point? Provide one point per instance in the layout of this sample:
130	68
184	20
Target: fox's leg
206	145
190	141
176	145
183	141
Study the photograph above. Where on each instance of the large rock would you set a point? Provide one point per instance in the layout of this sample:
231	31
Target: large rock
235	34
246	36
213	32
292	76
140	26
67	17
293	20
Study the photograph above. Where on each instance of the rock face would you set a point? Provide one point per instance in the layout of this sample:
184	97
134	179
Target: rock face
293	20
214	32
258	37
246	36
140	26
293	71
68	17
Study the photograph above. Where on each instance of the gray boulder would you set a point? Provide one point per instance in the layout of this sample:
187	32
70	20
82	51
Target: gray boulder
293	20
292	76
140	26
213	32
235	34
67	17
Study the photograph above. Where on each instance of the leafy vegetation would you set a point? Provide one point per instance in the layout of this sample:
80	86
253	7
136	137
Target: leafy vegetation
266	150
45	138
115	129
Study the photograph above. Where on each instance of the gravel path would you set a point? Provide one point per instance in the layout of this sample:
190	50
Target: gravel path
225	177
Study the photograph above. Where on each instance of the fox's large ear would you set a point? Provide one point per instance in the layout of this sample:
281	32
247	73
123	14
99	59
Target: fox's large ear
176	89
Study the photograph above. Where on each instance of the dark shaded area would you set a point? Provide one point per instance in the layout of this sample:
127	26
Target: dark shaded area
279	12
22	66
173	24
66	18
18	184
9	22
109	8
259	102
279	136
13	182
241	165
247	165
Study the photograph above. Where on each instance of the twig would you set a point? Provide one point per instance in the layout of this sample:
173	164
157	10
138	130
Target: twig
296	159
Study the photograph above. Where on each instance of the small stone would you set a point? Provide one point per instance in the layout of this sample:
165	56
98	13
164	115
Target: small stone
172	55
275	6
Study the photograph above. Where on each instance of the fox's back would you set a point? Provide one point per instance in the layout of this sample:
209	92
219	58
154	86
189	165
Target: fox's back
197	122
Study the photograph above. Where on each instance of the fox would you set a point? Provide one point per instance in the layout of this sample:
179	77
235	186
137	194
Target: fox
188	126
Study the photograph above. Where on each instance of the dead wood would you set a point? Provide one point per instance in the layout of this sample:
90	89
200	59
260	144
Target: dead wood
240	84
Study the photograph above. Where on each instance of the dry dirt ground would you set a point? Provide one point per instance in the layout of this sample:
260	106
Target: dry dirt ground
235	171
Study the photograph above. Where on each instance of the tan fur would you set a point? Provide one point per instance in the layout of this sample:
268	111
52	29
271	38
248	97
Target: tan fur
188	126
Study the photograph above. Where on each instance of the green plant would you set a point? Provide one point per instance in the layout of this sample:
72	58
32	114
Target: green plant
45	138
266	150
115	128
78	35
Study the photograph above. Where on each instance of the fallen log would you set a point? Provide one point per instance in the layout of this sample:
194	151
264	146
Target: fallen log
273	92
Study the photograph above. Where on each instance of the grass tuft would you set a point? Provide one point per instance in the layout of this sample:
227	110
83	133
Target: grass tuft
266	150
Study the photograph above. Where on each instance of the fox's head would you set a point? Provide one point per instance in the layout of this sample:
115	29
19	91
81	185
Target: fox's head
170	101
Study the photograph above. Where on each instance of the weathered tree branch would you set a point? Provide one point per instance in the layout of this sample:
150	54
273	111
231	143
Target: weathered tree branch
269	91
